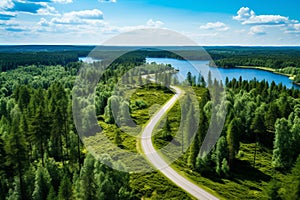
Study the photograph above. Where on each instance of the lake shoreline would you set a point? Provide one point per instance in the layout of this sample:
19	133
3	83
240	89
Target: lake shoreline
291	77
247	72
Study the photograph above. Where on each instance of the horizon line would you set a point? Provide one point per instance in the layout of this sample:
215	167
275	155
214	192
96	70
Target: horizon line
226	45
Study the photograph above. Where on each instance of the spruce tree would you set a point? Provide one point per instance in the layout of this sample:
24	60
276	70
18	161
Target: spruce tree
16	149
42	184
233	139
65	189
221	153
283	152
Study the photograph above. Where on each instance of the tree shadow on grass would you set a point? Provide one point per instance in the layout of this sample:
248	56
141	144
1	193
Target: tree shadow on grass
243	170
212	176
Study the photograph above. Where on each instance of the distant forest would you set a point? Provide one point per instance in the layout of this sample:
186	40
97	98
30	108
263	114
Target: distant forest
42	156
12	57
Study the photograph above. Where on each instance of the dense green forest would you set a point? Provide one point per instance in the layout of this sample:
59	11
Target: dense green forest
10	61
272	57
42	156
284	60
258	147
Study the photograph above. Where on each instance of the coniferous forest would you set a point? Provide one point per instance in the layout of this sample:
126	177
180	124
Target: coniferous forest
43	157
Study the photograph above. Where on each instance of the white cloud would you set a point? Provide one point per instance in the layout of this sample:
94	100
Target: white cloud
6	4
47	10
8	23
244	13
218	26
154	24
43	22
86	14
267	20
79	17
32	7
62	1
149	24
248	17
293	29
257	30
7	15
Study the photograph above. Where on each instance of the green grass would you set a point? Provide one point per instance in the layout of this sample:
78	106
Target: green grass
154	97
290	76
147	185
155	186
245	181
174	117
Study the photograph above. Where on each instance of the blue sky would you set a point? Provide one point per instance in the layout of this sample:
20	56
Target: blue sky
212	22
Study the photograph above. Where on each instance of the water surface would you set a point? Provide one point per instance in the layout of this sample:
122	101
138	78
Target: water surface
220	73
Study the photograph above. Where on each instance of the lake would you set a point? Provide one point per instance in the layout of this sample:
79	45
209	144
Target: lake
196	66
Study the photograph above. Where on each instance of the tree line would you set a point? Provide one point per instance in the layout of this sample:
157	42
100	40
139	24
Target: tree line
259	113
42	156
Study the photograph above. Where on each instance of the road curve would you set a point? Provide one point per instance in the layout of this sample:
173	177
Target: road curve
158	162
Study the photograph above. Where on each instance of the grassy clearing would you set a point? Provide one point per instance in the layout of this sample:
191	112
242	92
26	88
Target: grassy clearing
153	96
150	185
290	76
257	67
245	181
155	186
174	117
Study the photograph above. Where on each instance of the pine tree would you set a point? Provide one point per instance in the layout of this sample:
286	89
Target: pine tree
194	150
51	194
233	139
16	149
271	116
294	191
189	78
203	83
221	153
15	192
203	163
3	108
282	153
59	116
225	167
87	186
54	172
42	184
296	135
22	96
258	127
65	189
39	131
